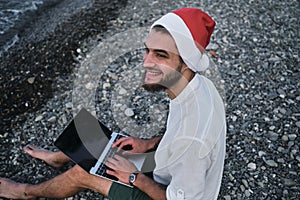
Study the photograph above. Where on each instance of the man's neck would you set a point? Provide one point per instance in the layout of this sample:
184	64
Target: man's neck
177	88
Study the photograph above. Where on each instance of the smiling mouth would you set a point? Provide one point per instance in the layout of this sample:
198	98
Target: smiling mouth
154	73
153	76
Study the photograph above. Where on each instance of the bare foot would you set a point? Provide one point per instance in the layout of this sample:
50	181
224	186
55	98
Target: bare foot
12	190
54	159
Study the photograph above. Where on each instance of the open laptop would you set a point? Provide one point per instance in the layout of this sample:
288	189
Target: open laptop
87	142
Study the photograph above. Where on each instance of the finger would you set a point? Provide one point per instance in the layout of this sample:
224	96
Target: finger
116	160
112	161
119	158
118	142
124	143
111	172
111	167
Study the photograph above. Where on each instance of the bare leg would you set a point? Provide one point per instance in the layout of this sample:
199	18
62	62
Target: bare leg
54	159
64	185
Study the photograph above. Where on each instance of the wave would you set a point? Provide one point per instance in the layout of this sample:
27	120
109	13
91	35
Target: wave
12	14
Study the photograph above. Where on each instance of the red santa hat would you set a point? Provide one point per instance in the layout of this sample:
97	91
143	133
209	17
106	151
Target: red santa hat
191	29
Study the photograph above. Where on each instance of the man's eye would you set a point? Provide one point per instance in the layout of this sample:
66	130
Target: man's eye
161	55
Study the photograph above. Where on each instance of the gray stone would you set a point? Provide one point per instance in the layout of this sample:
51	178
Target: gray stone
31	80
251	166
247	193
227	197
289	182
245	183
271	163
129	112
69	105
52	119
292	137
261	153
122	91
38	118
285	138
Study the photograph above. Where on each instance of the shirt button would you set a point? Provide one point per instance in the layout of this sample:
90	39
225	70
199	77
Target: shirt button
180	194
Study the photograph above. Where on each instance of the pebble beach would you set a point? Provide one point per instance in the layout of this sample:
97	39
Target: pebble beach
255	47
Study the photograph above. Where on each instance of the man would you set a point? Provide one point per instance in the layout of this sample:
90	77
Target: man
190	156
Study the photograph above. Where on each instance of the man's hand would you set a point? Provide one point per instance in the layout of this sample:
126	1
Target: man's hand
137	145
120	168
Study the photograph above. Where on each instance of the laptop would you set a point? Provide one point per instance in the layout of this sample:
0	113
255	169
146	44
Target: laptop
88	143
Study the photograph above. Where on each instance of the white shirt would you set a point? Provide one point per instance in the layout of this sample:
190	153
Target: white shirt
190	156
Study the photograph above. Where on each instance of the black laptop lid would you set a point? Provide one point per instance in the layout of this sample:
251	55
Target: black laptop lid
84	139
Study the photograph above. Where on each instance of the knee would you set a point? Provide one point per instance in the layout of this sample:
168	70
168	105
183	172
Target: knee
76	174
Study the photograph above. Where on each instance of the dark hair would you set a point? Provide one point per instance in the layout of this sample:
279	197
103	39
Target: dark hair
160	28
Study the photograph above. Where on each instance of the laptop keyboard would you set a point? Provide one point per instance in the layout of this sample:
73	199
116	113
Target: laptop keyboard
102	168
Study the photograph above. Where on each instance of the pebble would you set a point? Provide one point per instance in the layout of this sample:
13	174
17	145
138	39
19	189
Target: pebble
272	128
69	105
38	118
273	136
122	91
261	153
227	197
271	163
245	183
280	160
292	137
234	118
281	92
106	85
89	86
231	177
289	182
285	138
52	119
251	166
129	112
31	80
257	96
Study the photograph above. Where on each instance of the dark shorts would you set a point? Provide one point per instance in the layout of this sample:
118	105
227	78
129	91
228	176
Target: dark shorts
122	192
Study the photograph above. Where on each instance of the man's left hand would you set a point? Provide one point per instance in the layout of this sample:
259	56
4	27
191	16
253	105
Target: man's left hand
120	168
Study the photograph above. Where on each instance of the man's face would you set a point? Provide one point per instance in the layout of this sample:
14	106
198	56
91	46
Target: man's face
161	62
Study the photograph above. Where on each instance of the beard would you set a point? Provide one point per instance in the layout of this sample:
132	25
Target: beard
167	82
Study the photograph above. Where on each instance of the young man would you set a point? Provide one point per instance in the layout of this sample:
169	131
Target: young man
190	156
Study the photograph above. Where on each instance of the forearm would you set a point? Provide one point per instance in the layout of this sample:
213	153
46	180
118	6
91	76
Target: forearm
153	143
150	187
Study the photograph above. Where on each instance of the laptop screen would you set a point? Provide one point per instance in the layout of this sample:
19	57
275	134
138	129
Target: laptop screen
84	139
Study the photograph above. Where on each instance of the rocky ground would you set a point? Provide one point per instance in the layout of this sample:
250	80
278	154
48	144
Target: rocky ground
255	47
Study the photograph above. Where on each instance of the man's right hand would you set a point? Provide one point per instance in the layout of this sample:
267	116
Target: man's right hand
137	145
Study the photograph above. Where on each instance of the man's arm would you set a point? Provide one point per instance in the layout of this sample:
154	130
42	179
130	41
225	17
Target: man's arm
154	190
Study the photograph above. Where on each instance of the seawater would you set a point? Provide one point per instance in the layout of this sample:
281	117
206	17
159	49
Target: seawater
14	16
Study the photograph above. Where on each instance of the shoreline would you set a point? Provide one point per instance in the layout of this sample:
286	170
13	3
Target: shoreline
49	55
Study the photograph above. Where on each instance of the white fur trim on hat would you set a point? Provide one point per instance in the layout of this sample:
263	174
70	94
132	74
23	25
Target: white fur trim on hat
183	38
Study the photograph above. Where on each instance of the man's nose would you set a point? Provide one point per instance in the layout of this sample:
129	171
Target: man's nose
148	60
